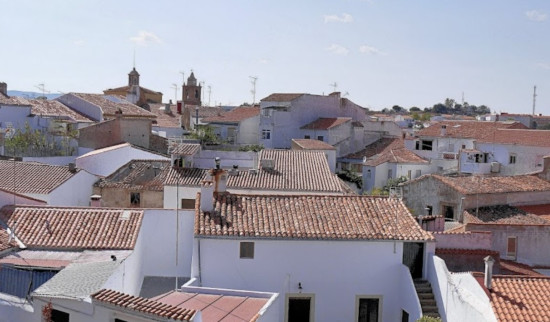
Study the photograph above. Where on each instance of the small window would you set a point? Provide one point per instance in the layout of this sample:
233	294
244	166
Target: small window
266	112
417	145
135	199
187	203
266	134
429	210
512	247
320	138
418	173
390	173
449	212
426	145
368	310
368	174
59	316
512	159
307	137
404	316
120	320
463	146
247	250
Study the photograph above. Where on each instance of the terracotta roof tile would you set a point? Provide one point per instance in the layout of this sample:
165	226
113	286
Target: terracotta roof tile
282	97
540	138
380	146
204	111
484	185
502	215
74	228
508	267
399	155
467	129
32	177
139	175
326	123
309	217
169	120
185	176
185	149
519	298
7	100
540	210
309	144
235	115
53	108
111	104
142	305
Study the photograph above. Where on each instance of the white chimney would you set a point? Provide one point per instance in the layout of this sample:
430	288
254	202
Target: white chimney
489	261
95	201
443	130
207	196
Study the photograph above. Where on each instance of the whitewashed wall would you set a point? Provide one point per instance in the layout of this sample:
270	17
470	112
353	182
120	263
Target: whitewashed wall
92	111
249	131
8	198
335	271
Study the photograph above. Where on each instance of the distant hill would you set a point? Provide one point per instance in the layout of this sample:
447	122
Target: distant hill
32	95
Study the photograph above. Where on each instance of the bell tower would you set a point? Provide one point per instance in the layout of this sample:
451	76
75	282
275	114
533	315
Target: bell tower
133	78
191	91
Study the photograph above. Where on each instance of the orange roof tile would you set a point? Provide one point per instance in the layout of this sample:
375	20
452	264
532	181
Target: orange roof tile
502	215
139	175
142	305
235	115
467	129
520	298
170	119
111	104
185	148
380	146
7	100
53	108
470	185
309	144
540	210
540	138
32	177
282	97
74	228
509	267
324	123
309	217
399	155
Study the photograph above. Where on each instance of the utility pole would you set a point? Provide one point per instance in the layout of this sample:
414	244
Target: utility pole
534	98
253	80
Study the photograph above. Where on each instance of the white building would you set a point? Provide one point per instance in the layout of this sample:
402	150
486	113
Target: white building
317	252
238	126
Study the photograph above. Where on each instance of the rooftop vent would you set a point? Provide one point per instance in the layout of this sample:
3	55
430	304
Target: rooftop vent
125	215
267	164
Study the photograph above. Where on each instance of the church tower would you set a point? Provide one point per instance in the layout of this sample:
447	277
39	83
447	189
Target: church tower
133	78
191	92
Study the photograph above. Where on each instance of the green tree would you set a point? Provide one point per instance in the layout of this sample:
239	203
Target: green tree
205	133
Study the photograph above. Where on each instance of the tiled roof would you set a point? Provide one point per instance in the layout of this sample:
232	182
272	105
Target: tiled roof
309	144
540	210
508	267
294	170
78	280
380	146
185	149
110	105
235	115
399	155
32	177
282	97
7	100
54	108
479	184
323	123
127	89
185	176
139	175
467	129
309	217
74	228
503	215
204	111
170	119
462	251
149	307
540	138
519	298
216	307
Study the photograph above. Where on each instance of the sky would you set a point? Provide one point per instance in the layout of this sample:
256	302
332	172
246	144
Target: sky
377	53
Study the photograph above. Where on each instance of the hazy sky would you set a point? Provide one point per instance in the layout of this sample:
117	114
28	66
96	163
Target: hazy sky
380	53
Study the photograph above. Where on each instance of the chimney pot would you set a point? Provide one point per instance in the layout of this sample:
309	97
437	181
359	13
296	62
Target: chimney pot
489	261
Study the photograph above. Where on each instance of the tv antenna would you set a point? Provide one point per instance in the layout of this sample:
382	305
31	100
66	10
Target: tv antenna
175	87
42	88
253	80
334	86
209	92
201	85
534	98
183	76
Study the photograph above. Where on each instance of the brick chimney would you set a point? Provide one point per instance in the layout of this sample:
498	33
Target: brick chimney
4	88
488	278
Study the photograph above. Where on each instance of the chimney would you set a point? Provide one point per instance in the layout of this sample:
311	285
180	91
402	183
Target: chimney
95	201
443	130
545	173
219	176
489	261
167	109
72	167
4	88
207	196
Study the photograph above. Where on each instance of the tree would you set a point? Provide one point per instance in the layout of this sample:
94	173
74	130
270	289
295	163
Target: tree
205	134
397	109
414	109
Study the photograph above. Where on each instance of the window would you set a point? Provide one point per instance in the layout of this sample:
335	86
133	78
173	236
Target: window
320	138
390	173
512	159
119	320
429	210
247	250
448	212
368	174
368	309
187	203
512	247
266	134
299	307
418	173
404	316
409	174
423	145
135	199
307	137
59	316
266	112
463	146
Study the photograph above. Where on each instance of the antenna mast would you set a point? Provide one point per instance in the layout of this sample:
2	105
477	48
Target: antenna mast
209	92
334	86
175	87
534	98
42	88
183	76
253	80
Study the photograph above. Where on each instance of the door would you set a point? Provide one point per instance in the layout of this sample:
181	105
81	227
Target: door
413	258
299	309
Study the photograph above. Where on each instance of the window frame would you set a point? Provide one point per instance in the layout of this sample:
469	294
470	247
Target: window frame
310	296
266	134
133	195
380	299
512	255
512	159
